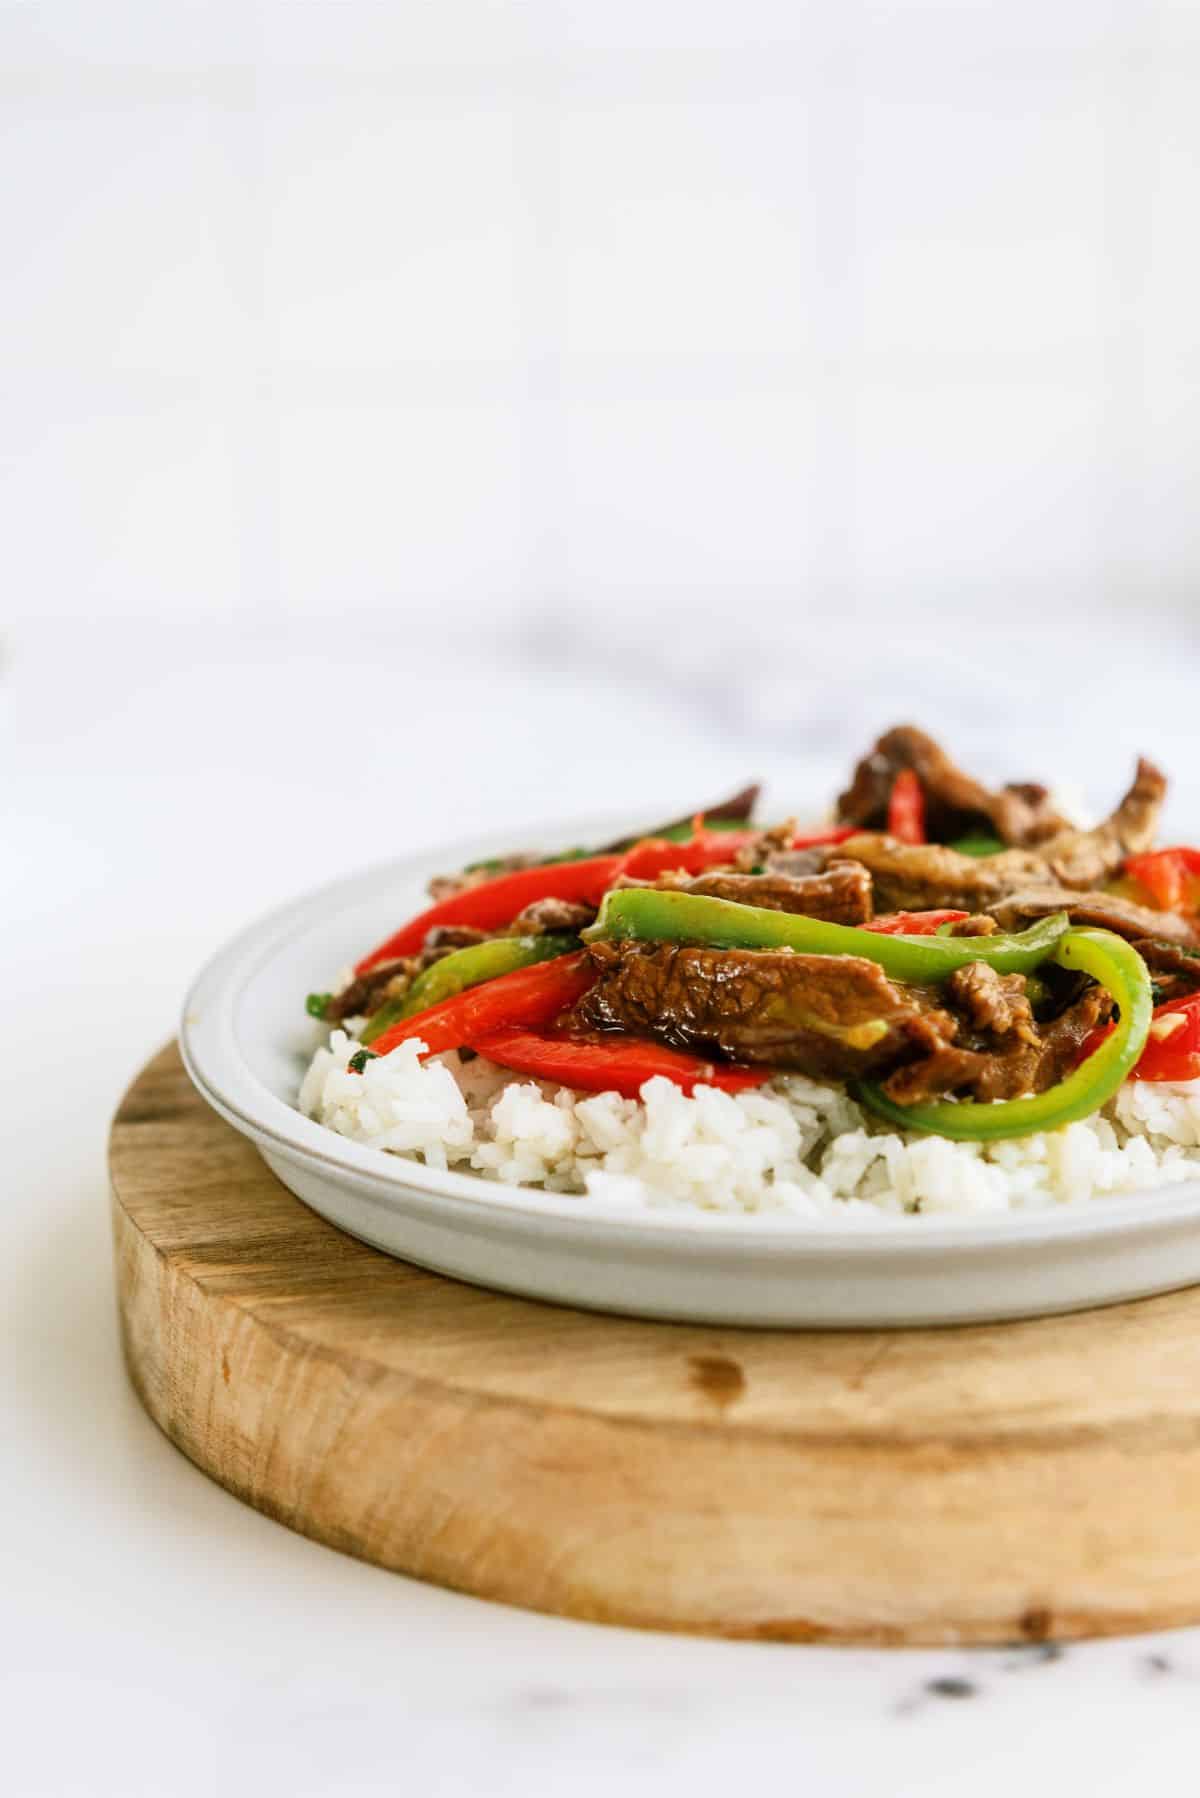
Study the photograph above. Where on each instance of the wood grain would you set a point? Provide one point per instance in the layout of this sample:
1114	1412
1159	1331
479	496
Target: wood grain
986	1484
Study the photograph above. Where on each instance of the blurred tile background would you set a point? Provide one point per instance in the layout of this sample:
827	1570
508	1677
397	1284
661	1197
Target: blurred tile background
806	359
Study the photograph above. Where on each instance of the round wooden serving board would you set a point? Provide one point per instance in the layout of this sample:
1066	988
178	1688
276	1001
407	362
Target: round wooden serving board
983	1484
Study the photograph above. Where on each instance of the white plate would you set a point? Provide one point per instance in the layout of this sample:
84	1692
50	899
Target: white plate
246	1040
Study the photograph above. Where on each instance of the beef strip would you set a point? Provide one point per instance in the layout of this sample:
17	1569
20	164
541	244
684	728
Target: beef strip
1105	910
771	849
841	895
954	800
920	876
928	876
1064	1037
980	923
830	1016
392	979
837	1017
546	915
1020	1065
992	1001
444	939
1175	971
1021	815
736	810
1085	858
761	858
367	992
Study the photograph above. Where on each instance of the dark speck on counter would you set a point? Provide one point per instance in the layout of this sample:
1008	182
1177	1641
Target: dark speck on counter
950	1686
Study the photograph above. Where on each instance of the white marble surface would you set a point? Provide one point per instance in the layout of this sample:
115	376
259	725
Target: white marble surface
158	1637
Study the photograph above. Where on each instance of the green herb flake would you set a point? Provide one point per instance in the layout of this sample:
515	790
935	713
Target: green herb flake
977	843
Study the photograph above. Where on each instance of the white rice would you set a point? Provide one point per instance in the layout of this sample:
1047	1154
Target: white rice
791	1146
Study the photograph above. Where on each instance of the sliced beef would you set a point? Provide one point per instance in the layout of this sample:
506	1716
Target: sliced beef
913	877
762	858
840	895
980	923
389	980
839	1016
1021	815
1064	1037
737	810
547	915
992	1001
928	876
1105	910
1016	1066
954	800
771	850
1085	858
1175	970
830	1016
392	979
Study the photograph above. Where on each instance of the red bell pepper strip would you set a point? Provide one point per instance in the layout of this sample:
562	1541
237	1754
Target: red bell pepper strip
1172	1049
531	997
494	903
914	923
609	1064
906	808
1170	876
704	849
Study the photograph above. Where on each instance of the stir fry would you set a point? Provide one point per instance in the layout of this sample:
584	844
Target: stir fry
965	959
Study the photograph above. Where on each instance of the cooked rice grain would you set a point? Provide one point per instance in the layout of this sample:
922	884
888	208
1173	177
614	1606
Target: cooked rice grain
791	1146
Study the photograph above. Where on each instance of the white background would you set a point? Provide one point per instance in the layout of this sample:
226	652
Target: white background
417	418
567	311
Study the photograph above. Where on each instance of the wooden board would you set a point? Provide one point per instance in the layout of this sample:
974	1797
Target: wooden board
984	1484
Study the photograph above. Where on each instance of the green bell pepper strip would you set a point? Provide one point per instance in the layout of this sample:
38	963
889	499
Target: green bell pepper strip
496	864
649	914
1119	968
683	831
466	967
